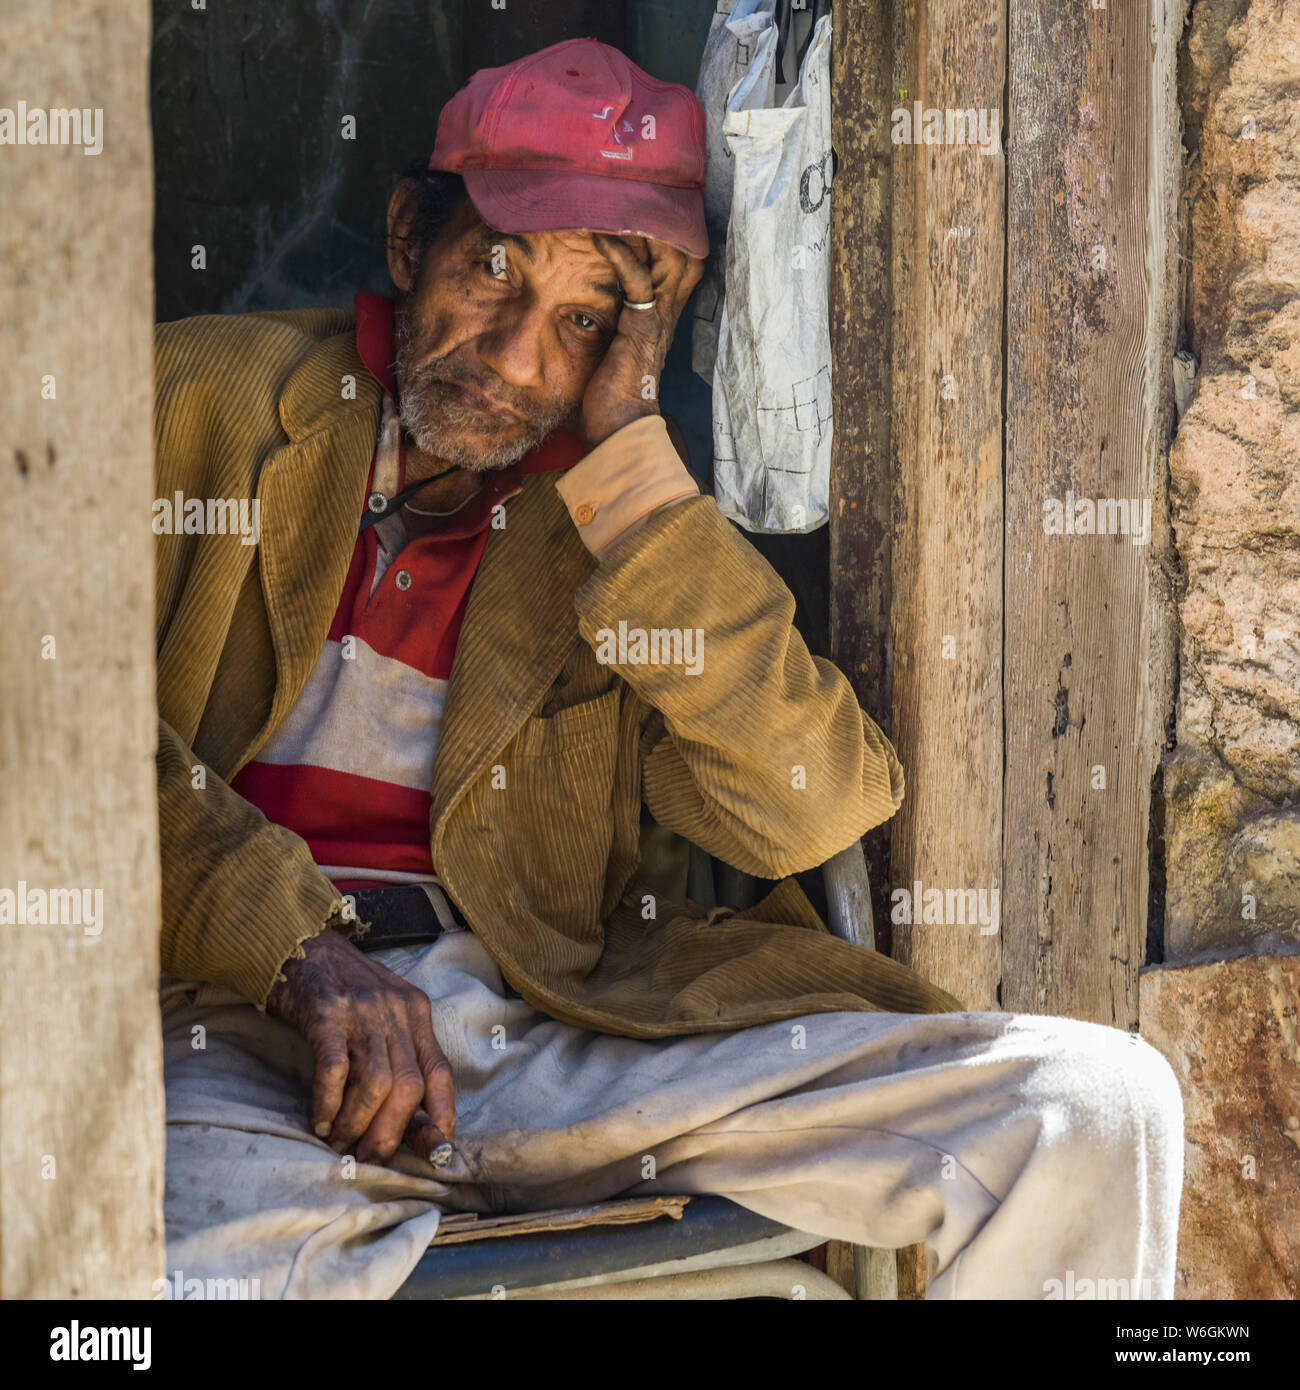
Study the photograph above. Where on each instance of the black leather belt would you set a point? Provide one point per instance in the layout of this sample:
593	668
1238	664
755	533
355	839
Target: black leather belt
400	915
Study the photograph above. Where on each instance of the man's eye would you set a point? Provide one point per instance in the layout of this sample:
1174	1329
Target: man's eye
586	323
495	269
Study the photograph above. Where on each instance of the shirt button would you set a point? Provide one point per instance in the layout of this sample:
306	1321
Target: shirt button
376	501
402	579
583	513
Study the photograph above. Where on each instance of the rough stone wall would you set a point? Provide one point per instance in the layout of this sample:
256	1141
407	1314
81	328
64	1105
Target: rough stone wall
1229	1030
1233	782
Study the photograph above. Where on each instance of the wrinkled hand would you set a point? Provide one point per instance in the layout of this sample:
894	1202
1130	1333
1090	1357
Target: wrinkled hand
646	269
380	1076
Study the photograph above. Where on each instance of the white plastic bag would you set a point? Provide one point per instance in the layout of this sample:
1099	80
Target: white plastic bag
772	373
733	36
731	53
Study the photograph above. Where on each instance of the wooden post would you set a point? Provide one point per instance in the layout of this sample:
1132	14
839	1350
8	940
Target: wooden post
861	482
1092	162
861	476
947	524
81	1114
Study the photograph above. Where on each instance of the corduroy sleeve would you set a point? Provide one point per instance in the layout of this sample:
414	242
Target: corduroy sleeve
758	751
239	894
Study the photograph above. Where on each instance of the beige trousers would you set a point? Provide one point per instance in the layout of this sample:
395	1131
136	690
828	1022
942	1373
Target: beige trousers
1021	1150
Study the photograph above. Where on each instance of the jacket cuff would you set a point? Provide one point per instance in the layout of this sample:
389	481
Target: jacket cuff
614	491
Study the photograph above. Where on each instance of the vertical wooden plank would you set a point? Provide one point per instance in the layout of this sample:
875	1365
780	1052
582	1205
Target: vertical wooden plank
862	475
872	1275
912	1274
840	1266
876	1273
861	485
1088	319
948	254
81	1117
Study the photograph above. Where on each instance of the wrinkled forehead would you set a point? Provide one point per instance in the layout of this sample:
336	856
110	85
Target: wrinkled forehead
557	256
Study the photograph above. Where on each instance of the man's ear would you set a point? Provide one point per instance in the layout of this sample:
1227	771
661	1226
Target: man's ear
403	253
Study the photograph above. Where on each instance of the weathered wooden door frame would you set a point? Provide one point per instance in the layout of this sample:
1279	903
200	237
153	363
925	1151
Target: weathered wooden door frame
1003	331
81	1092
1003	328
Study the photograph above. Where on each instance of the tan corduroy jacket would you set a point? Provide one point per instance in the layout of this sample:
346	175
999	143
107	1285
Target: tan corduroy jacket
544	753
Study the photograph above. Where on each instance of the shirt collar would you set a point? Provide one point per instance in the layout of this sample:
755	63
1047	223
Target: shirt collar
560	449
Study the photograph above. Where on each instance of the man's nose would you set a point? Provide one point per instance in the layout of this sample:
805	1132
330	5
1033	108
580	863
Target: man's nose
512	344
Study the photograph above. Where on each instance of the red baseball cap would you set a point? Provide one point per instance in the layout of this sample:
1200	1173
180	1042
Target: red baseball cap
577	136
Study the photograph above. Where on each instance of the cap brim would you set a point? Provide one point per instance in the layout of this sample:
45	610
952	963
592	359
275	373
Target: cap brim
540	200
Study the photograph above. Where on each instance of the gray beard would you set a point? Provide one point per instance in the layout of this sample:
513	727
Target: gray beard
429	412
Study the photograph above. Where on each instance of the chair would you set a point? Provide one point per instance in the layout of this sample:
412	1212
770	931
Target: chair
714	1249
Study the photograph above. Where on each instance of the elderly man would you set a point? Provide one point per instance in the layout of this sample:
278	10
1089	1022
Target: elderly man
406	738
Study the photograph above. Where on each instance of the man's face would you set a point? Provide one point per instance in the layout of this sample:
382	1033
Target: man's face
498	337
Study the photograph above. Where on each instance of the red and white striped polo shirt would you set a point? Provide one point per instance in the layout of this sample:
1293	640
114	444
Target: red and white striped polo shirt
350	767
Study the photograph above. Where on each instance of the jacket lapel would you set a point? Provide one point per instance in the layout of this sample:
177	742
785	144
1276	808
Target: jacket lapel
519	627
311	492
